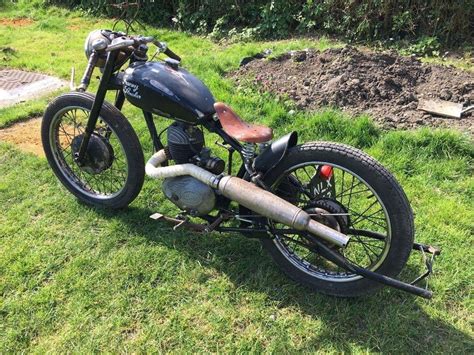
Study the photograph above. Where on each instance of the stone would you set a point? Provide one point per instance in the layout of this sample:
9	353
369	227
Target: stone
445	94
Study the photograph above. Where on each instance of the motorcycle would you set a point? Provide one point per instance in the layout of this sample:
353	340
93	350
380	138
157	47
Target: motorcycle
331	217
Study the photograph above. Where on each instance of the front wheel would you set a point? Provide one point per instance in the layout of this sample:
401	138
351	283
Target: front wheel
113	170
347	190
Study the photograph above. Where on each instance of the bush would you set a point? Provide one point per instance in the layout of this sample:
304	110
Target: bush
448	21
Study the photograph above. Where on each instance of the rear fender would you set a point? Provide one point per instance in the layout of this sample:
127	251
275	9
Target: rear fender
274	153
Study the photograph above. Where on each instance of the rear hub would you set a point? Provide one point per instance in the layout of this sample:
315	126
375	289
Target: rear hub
330	213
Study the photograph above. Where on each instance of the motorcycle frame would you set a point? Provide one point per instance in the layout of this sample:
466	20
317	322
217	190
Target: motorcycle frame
111	81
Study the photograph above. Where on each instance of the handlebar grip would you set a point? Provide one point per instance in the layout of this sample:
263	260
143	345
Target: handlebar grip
172	54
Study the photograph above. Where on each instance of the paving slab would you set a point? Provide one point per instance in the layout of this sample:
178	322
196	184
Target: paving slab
19	86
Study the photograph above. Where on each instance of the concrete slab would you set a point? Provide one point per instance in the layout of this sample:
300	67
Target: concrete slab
19	86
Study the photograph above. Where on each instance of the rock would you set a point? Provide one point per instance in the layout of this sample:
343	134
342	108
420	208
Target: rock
245	61
355	82
411	97
298	56
412	106
445	94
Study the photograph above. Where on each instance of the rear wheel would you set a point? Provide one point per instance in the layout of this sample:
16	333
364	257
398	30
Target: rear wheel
112	173
347	190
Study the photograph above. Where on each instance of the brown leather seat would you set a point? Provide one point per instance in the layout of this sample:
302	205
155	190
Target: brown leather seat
240	130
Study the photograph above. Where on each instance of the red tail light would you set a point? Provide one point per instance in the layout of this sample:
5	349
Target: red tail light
326	172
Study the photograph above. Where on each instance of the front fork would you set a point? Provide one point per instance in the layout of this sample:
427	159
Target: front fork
97	105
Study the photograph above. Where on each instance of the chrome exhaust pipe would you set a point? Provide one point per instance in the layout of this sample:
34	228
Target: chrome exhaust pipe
249	196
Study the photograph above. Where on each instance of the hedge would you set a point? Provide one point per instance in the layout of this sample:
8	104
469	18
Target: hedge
449	21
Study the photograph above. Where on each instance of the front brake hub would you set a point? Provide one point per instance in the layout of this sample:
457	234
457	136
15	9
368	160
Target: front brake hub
99	154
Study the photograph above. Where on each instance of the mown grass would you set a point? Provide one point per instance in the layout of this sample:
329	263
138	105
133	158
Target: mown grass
77	279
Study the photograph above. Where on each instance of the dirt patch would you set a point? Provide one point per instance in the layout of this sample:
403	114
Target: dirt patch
26	135
18	22
385	85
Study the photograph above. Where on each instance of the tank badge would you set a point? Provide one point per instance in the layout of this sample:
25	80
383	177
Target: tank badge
131	89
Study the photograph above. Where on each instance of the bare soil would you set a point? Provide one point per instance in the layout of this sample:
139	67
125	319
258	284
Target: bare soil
26	135
385	85
19	22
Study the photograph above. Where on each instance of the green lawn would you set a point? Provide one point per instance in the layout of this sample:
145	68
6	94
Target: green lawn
78	279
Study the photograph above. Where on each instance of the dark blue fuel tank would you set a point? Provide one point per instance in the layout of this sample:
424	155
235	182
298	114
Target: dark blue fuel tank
168	91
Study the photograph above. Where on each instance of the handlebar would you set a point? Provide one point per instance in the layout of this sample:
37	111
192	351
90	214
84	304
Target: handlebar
172	54
114	41
124	42
119	43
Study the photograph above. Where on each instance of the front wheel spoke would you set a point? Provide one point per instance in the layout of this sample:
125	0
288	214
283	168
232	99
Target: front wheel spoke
106	182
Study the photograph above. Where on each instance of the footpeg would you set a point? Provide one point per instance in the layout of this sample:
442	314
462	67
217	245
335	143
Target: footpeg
178	223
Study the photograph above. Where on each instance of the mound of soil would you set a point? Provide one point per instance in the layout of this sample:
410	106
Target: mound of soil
385	85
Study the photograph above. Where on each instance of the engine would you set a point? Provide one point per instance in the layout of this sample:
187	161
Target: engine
186	145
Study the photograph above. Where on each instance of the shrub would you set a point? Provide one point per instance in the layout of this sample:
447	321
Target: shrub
447	21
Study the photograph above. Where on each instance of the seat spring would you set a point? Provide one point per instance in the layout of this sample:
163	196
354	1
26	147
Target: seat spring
248	151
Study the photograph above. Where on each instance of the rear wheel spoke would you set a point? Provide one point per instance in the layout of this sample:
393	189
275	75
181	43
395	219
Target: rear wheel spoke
353	203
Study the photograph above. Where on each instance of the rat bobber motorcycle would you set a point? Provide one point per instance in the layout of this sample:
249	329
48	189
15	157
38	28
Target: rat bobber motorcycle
331	216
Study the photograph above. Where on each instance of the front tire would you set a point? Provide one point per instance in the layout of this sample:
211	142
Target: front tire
371	203
114	169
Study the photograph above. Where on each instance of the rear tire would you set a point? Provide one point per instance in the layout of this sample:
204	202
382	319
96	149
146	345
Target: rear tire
117	151
381	184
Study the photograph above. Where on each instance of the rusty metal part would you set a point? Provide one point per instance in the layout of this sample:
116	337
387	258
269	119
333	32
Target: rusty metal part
250	196
271	206
128	12
217	222
180	222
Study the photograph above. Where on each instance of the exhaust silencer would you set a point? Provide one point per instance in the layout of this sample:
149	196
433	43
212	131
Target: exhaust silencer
249	196
277	209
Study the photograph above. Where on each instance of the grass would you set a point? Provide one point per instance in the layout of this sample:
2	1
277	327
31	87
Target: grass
77	279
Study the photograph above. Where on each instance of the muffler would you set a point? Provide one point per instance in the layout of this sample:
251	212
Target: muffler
249	196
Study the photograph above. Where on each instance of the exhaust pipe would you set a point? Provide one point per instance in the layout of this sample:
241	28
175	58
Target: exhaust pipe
249	196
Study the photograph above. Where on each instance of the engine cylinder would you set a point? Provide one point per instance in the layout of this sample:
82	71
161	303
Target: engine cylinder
184	142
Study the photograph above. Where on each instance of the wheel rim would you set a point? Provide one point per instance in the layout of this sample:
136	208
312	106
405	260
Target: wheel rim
69	123
366	214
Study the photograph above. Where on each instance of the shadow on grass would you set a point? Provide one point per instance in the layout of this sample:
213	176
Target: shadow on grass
388	320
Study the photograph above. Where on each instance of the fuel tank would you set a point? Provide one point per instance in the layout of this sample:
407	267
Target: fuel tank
167	90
